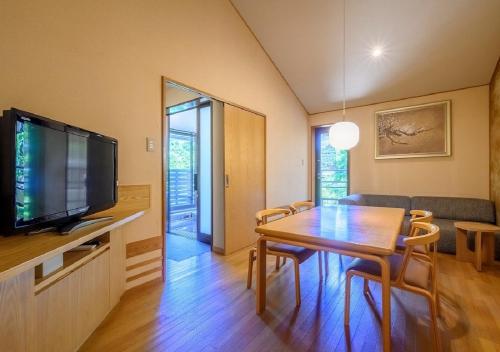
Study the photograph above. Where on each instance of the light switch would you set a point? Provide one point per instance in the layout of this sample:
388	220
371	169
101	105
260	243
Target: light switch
150	144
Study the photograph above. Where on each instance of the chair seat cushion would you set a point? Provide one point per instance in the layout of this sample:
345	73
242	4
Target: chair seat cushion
400	245
301	253
417	272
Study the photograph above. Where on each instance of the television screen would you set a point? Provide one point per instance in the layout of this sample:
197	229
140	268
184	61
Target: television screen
60	171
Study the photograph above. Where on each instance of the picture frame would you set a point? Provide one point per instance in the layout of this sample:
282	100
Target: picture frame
418	131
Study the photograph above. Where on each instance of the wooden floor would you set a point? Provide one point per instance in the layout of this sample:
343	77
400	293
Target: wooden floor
205	306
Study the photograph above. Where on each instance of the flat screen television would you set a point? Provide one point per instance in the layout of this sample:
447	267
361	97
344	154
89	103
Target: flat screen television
52	173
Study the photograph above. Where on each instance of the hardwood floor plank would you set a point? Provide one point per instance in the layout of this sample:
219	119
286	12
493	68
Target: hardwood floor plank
205	306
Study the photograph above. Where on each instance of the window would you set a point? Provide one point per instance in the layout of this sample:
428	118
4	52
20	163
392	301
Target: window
331	169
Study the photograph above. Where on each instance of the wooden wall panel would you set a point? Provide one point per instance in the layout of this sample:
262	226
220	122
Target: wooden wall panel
144	246
244	163
495	139
144	261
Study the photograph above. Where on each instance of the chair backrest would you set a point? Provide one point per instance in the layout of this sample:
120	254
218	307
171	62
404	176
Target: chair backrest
262	217
420	216
428	239
297	207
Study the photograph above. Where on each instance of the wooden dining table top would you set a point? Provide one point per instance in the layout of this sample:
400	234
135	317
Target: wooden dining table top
372	230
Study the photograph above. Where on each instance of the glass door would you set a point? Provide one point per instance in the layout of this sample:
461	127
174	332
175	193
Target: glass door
331	170
189	189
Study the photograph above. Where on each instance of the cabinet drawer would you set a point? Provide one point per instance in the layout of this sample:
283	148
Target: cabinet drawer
71	309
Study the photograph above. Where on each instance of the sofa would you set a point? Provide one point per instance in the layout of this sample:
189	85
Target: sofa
445	210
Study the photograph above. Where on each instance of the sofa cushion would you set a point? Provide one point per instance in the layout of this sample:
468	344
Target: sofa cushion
468	209
376	200
447	238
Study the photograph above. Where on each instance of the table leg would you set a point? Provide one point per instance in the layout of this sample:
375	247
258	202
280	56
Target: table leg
489	248
261	275
386	303
478	257
463	253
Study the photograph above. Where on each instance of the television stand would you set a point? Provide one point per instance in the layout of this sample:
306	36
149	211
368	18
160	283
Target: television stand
70	228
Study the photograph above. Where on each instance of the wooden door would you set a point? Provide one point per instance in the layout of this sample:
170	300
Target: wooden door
245	175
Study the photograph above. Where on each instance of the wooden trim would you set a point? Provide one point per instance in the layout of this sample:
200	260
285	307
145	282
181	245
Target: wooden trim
183	86
153	278
218	250
495	71
164	163
138	276
394	100
146	262
144	246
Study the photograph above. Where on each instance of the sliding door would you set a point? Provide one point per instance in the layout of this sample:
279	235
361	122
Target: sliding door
245	175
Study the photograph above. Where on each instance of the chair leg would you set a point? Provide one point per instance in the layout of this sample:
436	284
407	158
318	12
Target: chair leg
297	282
438	304
434	322
325	254
277	263
347	304
251	257
366	287
320	264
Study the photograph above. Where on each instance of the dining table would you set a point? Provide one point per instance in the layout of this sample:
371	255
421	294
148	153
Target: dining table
356	231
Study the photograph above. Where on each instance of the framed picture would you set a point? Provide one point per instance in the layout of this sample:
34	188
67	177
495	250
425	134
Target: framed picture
418	131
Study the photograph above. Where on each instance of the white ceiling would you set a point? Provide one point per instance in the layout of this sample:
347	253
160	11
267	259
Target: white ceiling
430	46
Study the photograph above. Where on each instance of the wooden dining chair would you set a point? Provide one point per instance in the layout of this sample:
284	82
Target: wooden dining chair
297	254
297	207
420	216
410	272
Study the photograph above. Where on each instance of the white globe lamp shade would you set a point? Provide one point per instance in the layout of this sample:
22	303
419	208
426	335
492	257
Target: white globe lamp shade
344	135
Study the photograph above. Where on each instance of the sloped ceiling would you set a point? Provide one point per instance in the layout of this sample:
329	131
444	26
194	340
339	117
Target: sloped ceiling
428	46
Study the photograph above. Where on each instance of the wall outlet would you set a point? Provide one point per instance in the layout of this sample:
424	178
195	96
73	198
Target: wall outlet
150	144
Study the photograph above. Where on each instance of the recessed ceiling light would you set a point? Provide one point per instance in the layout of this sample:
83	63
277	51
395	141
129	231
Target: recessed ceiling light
377	51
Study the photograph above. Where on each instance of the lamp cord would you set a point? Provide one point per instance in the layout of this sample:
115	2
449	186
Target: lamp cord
343	65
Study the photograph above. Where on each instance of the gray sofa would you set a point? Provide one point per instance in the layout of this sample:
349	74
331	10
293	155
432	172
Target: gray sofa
446	210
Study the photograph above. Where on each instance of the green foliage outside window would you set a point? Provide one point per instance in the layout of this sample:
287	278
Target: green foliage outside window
333	174
181	155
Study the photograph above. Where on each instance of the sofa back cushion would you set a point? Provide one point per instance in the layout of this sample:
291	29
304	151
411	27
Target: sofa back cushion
466	209
377	200
353	199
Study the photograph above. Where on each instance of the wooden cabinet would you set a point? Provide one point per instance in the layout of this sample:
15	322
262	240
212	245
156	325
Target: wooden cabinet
69	310
58	311
16	307
117	257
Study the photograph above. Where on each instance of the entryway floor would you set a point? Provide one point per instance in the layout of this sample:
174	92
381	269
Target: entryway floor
180	248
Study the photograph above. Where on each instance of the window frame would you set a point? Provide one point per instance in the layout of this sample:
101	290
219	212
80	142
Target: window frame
316	147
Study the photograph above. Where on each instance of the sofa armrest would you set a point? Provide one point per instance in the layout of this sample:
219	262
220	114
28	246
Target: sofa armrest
353	199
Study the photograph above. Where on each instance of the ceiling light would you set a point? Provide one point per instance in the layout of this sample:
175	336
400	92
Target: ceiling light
377	51
344	135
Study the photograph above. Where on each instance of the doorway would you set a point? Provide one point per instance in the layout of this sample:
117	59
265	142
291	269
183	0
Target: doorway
331	169
189	178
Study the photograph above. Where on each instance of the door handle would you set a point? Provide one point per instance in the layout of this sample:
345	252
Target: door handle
226	181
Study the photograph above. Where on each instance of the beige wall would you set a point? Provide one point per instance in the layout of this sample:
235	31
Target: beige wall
465	173
495	139
98	64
